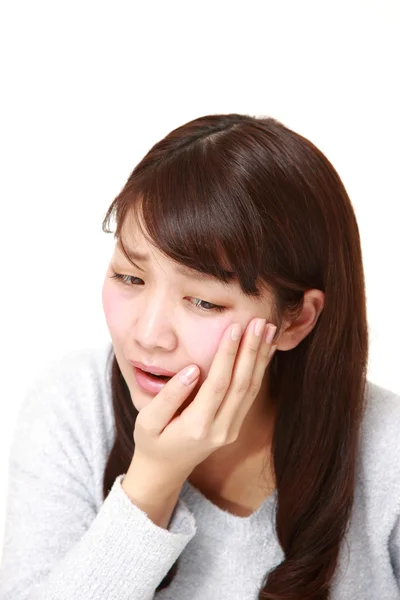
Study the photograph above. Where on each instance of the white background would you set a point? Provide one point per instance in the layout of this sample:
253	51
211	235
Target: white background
88	87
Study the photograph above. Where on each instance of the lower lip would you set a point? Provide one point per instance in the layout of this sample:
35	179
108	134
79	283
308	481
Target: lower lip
147	383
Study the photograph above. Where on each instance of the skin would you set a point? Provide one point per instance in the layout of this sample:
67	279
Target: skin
152	317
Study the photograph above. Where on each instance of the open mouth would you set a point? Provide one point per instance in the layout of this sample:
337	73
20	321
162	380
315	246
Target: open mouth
159	377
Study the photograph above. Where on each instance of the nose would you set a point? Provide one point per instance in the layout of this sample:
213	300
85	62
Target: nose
154	327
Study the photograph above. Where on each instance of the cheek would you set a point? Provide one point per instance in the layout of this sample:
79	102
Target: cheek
112	307
202	344
207	340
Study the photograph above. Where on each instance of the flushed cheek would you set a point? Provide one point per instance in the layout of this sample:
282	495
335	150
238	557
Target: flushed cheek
206	343
202	345
112	307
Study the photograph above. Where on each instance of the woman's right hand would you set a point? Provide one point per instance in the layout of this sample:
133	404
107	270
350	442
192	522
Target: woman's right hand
175	446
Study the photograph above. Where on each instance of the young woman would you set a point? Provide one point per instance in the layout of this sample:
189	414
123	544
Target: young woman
273	471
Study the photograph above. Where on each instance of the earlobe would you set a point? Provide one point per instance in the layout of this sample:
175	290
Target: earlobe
287	341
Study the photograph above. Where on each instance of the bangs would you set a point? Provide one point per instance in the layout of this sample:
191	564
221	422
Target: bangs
196	216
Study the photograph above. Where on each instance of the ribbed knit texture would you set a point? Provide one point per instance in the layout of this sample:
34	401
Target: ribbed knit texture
63	542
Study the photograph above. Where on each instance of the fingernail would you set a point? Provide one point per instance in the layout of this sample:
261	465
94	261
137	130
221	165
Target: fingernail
189	374
236	332
269	336
259	326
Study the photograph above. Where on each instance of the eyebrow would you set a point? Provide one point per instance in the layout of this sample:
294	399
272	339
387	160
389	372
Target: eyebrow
181	269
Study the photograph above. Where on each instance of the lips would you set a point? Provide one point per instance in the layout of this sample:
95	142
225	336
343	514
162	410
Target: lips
151	369
150	384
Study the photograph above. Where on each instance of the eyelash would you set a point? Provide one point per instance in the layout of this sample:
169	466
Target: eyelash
215	307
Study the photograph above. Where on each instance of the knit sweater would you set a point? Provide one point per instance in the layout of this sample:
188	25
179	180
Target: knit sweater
64	542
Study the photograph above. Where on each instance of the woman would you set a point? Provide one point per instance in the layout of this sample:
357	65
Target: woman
273	474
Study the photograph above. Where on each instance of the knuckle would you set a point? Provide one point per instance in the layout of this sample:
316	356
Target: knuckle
144	426
199	434
219	440
232	438
142	420
242	386
223	438
253	389
169	399
231	350
221	384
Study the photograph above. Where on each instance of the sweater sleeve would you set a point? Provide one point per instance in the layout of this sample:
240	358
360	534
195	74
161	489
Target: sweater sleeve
55	546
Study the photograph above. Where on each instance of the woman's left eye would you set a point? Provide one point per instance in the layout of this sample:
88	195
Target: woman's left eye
122	278
213	306
127	279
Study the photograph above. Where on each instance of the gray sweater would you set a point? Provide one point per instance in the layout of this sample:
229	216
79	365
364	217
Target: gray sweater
63	542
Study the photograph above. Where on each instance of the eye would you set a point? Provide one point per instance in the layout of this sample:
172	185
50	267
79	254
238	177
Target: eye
127	279
122	278
213	306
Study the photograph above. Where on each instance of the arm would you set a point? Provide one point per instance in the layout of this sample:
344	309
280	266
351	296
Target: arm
150	491
56	547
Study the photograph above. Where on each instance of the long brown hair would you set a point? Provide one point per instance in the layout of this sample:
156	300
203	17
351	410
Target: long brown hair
266	198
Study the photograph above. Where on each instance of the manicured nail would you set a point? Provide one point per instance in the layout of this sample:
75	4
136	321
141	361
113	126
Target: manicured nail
259	326
236	332
189	375
269	336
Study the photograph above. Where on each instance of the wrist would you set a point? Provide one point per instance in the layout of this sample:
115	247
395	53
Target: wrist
147	481
151	496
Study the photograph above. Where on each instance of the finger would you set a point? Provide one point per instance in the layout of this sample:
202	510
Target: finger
243	382
214	388
266	354
159	412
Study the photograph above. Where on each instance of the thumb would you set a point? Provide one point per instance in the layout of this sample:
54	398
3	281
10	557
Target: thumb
159	412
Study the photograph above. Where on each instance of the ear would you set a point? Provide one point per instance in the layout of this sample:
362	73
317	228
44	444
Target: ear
295	331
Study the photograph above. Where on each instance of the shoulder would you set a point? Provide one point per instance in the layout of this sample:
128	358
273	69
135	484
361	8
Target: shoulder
76	375
381	422
69	396
80	365
379	459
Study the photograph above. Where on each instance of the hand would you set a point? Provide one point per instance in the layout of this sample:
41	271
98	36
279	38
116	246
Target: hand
215	416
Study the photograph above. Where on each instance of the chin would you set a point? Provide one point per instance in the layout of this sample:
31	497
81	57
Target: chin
139	398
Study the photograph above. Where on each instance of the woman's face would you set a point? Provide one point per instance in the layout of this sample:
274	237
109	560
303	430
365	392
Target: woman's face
160	316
